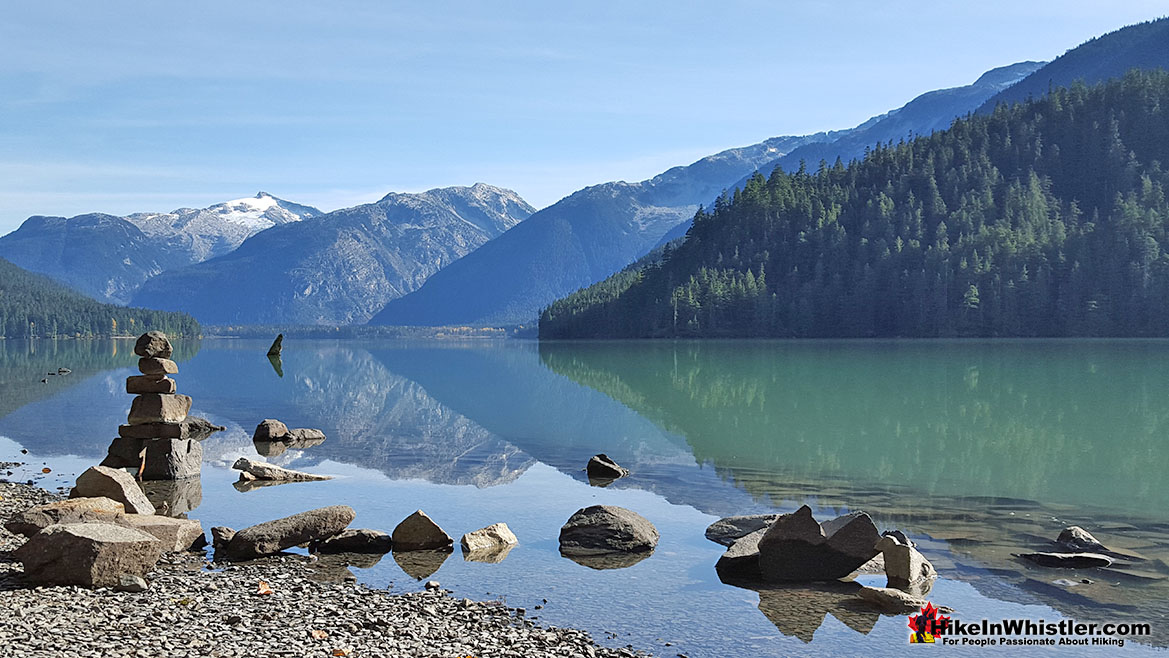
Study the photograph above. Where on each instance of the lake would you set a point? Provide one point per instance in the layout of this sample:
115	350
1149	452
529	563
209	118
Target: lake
976	449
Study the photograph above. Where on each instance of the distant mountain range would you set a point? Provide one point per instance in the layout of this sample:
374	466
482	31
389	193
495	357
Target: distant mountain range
108	257
599	230
340	267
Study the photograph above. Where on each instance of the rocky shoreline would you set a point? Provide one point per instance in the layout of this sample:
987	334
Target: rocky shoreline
276	606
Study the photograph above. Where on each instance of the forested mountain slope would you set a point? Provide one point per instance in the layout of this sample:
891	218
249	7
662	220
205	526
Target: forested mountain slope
1046	218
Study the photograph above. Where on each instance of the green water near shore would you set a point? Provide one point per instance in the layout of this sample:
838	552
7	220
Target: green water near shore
977	448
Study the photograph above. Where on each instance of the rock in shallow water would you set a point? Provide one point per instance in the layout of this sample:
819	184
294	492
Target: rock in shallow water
601	467
1068	560
418	532
274	536
603	529
493	537
798	549
354	540
87	554
266	471
905	567
729	530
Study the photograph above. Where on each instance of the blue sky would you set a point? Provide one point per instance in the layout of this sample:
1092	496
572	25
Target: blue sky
120	107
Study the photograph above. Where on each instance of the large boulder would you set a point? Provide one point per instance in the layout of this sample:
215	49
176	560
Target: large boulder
491	538
601	467
274	536
905	567
265	471
729	530
159	408
603	529
419	532
175	534
741	560
354	540
270	429
87	554
172	459
75	510
153	344
798	549
103	481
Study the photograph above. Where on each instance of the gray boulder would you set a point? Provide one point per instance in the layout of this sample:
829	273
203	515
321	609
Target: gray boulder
102	481
220	536
153	344
741	561
75	510
729	530
601	467
159	408
1068	560
419	532
172	459
274	536
305	437
905	567
87	554
603	529
265	471
797	549
270	429
175	534
354	540
491	538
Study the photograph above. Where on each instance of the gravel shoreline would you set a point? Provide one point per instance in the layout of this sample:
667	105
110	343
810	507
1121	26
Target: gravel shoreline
196	608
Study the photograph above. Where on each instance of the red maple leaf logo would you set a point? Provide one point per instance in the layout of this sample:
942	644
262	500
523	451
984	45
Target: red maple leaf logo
929	621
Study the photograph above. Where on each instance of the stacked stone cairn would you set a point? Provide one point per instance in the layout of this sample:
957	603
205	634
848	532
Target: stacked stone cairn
158	438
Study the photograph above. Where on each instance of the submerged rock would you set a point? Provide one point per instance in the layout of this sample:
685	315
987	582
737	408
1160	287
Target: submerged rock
87	554
1068	560
730	529
1076	539
603	529
102	481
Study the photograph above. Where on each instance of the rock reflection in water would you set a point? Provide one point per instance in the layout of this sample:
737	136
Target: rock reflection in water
174	497
244	486
488	555
800	610
420	564
277	364
609	560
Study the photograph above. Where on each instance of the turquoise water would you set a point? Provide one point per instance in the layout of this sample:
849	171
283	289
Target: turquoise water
977	449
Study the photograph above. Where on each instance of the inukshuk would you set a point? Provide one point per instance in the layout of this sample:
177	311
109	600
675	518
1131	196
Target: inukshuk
156	439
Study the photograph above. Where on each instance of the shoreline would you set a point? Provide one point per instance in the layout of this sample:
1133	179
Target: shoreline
196	607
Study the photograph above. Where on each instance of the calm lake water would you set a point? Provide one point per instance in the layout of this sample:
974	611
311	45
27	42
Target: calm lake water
976	449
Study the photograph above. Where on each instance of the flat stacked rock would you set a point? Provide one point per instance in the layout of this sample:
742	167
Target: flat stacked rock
158	438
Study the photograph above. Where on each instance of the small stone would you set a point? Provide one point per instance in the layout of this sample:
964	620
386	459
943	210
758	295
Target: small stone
130	583
154	366
432	584
1074	538
220	536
